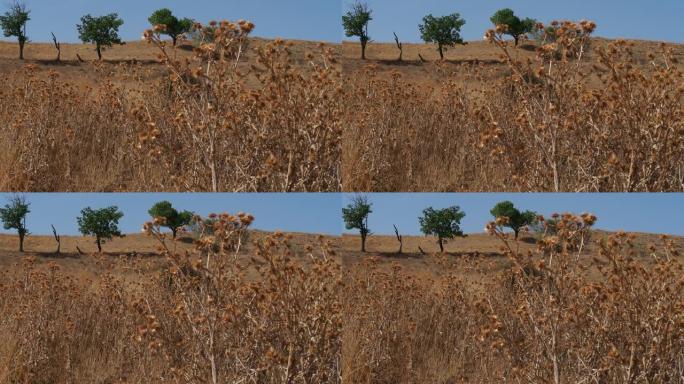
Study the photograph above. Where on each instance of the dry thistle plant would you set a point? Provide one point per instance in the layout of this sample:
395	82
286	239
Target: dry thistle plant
55	132
216	132
208	314
582	115
558	313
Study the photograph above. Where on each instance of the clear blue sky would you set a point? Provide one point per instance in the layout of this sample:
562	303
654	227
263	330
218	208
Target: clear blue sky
636	19
290	19
321	212
650	213
293	212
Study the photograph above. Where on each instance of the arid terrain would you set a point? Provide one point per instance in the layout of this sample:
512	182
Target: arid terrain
315	309
78	254
222	310
476	257
239	114
566	309
43	55
579	114
574	114
461	58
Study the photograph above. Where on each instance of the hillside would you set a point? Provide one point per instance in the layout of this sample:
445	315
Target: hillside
136	257
43	55
383	56
476	256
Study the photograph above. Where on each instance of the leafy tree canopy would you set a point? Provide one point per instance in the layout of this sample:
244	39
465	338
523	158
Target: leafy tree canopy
13	22
173	219
355	216
515	26
14	213
355	21
13	216
516	219
101	223
174	27
443	223
445	31
103	31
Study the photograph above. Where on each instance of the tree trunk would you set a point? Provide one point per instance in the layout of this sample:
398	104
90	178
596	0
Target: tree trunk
363	243
21	49
517	231
99	244
441	52
363	50
99	52
175	39
21	241
441	245
173	231
517	39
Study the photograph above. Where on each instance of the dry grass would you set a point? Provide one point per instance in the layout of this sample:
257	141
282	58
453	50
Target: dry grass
577	305
226	117
209	312
579	115
561	311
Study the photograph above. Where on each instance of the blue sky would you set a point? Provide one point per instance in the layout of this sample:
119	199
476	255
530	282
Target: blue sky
650	213
320	19
310	213
291	19
321	212
638	19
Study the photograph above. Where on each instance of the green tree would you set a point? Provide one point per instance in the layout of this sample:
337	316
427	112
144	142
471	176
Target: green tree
515	27
103	31
13	216
355	23
101	223
355	216
173	27
445	31
516	219
13	23
173	219
443	223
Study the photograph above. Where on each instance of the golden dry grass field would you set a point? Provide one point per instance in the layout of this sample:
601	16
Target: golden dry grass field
304	308
579	114
70	68
221	310
573	114
569	308
239	114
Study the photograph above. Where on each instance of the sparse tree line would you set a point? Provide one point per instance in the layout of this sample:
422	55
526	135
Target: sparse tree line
102	31
444	224
444	31
103	223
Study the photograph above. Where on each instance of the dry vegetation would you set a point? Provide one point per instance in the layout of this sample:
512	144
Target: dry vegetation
228	117
207	313
575	306
239	114
579	115
553	313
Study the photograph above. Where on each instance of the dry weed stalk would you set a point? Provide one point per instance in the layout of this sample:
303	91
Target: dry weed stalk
280	134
